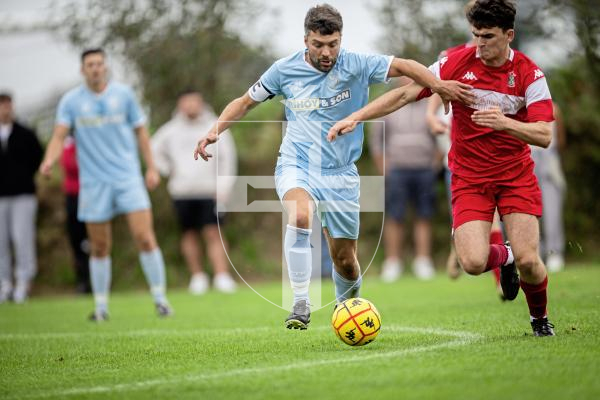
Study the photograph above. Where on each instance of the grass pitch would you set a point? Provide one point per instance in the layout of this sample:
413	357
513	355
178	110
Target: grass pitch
439	340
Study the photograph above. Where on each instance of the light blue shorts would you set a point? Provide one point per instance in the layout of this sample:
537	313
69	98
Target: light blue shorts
335	191
101	201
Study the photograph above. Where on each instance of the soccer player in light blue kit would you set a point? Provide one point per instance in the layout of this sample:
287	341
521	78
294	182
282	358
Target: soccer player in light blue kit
108	126
321	84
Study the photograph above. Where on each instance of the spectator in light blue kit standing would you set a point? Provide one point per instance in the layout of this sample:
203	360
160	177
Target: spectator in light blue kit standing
109	126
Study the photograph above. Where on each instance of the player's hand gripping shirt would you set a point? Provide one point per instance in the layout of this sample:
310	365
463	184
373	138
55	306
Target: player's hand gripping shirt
518	88
107	149
315	100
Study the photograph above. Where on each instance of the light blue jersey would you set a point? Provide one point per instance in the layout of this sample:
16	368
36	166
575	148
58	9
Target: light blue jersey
315	100
107	149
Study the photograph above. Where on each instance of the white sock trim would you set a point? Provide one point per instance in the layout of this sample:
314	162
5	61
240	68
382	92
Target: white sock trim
301	286
511	258
531	318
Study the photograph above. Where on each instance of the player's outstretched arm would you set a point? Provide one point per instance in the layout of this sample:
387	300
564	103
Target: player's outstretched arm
448	90
54	149
535	133
234	111
383	105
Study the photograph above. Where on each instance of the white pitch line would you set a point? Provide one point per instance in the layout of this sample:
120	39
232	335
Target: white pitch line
462	339
433	331
133	333
197	332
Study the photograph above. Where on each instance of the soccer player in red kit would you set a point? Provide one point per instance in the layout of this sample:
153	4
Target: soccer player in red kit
438	126
490	158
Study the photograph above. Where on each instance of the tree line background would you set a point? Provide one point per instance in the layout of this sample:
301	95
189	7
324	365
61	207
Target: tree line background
174	45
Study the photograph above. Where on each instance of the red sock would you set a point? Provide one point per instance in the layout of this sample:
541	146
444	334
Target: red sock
496	272
497	257
536	297
496	237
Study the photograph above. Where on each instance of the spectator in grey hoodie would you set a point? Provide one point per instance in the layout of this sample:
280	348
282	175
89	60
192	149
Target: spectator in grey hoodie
196	188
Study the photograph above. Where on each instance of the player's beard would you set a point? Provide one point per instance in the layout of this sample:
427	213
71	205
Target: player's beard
316	62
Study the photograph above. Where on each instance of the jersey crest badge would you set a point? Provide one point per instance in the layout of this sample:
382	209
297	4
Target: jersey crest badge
113	103
332	80
511	79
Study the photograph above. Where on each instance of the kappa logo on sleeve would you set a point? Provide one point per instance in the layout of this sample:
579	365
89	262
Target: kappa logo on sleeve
538	74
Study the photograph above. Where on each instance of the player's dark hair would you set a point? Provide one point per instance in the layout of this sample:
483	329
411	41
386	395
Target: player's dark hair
467	7
324	19
5	97
95	50
492	13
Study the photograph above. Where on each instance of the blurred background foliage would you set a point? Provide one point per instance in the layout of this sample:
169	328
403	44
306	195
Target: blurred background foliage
171	45
174	45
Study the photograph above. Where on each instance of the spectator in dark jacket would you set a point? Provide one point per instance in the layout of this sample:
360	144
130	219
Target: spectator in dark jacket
20	157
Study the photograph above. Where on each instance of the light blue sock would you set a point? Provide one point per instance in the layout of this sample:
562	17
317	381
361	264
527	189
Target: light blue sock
153	265
299	260
100	274
345	288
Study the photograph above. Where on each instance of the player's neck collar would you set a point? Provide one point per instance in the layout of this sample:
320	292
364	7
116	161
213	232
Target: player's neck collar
100	93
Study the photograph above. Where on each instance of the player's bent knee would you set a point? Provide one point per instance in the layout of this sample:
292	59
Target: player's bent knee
146	242
472	265
527	263
347	264
301	220
100	248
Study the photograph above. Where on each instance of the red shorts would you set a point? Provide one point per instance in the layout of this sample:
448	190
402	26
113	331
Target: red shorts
477	201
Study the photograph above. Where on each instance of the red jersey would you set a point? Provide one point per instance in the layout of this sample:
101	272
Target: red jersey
68	162
518	87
